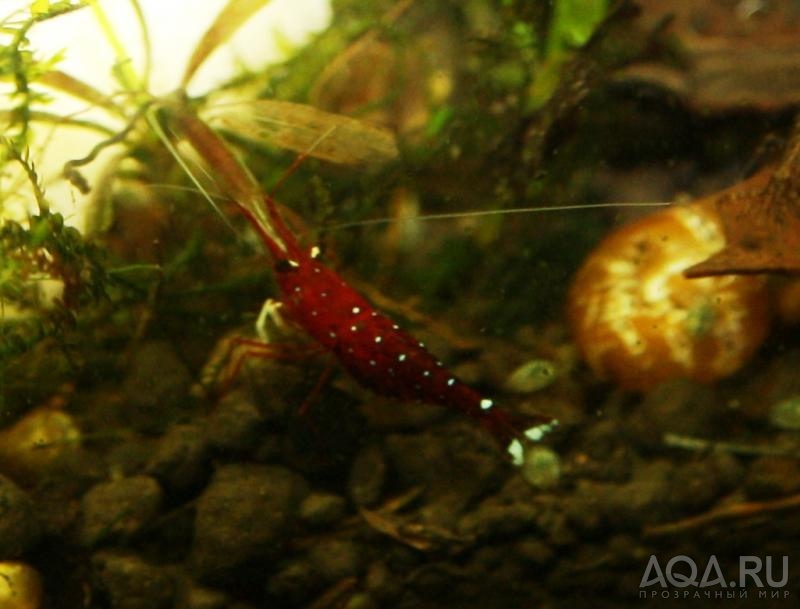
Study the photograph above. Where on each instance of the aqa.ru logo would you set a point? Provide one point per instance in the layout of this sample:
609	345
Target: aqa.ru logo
681	572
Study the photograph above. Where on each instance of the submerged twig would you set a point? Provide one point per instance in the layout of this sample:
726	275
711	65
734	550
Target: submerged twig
701	444
729	512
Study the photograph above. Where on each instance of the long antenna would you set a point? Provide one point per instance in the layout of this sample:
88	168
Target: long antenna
165	139
300	159
493	212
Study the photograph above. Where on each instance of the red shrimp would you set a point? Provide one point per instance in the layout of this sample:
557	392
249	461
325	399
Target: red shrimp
373	349
370	346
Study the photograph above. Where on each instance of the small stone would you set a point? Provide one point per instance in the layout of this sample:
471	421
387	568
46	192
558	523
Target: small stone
196	597
29	448
119	509
20	586
535	552
367	476
180	460
494	520
772	477
381	583
157	387
786	414
294	583
20	530
320	509
644	499
235	425
129	457
696	485
532	376
130	583
541	467
679	407
241	517
335	559
455	465
361	600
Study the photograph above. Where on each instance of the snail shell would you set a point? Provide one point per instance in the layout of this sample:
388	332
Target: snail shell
638	321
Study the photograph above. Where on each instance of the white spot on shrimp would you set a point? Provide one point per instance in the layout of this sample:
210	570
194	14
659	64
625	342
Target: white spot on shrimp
356	310
374	314
316	269
372	362
350	349
451	382
332	334
421	344
426	373
401	357
486	404
378	339
440	364
354	328
313	313
314	252
324	294
297	288
395	327
293	263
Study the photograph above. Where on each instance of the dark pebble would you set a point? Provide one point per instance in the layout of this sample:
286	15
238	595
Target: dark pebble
381	583
491	521
694	486
242	516
772	477
127	582
643	500
119	509
509	512
335	559
20	529
321	509
678	407
367	476
534	551
197	597
294	583
180	460
601	452
157	387
455	464
129	457
235	426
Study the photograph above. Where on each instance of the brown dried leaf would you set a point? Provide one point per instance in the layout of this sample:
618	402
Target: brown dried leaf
308	130
77	88
761	222
391	526
230	19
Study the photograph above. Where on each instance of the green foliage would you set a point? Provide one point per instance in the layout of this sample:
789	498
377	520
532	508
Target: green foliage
573	23
43	253
22	66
